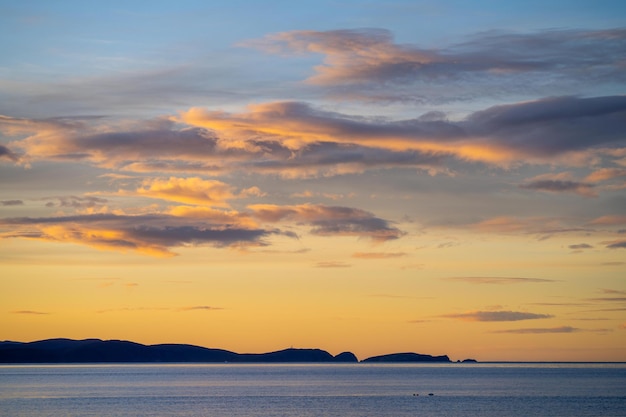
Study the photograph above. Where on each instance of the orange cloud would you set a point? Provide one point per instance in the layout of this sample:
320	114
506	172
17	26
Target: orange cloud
378	255
214	215
151	234
498	280
605	174
610	220
192	190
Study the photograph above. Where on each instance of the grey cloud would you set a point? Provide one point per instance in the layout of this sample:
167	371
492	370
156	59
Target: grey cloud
497	316
331	220
30	312
6	153
368	64
376	228
617	245
562	329
11	203
329	158
76	202
559	186
580	246
555	125
498	280
181	235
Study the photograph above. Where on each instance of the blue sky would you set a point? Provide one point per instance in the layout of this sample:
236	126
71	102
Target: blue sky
319	172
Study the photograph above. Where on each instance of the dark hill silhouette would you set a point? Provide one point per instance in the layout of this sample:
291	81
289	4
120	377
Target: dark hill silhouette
121	351
407	357
103	351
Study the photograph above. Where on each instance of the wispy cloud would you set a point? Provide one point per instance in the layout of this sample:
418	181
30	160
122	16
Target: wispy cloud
609	220
159	308
556	184
580	246
11	203
199	308
496	316
615	244
562	329
332	264
75	202
604	174
498	280
30	312
378	255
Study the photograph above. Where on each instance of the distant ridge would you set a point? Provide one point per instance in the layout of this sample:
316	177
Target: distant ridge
407	357
98	351
122	351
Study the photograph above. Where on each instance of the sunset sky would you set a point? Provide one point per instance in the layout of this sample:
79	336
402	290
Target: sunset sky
440	177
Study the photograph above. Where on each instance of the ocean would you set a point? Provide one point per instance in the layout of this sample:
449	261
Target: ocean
308	390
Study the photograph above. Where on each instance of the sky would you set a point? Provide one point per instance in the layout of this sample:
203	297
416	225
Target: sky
439	177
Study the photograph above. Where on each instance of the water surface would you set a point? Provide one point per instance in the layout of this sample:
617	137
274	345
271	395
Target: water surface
305	390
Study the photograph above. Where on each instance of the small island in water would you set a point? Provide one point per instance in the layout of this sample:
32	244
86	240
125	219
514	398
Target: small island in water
121	351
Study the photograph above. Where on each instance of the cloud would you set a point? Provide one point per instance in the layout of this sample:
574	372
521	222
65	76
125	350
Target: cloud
524	132
611	220
498	280
11	203
562	329
330	220
612	291
497	316
152	234
75	202
616	244
367	64
609	299
605	174
332	264
192	190
542	227
30	312
200	308
558	186
6	153
580	246
297	140
378	255
157	233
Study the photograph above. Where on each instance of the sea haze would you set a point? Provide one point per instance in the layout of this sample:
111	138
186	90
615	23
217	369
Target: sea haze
349	390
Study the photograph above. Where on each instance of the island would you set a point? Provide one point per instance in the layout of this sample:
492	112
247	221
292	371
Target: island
408	357
122	351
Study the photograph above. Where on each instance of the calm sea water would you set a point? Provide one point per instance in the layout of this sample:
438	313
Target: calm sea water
350	390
